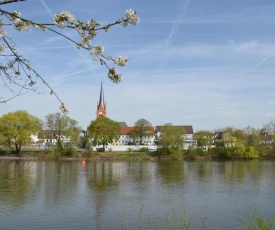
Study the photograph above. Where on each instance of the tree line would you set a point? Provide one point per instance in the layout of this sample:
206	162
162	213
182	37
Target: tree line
17	127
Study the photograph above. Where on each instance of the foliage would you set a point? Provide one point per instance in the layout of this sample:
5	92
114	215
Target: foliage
171	137
142	128
60	127
16	129
193	153
16	71
235	143
257	222
144	150
204	138
103	130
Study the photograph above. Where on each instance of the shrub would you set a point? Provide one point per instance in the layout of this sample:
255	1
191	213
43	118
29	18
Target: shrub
143	150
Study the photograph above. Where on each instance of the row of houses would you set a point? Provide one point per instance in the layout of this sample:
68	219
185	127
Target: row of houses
125	142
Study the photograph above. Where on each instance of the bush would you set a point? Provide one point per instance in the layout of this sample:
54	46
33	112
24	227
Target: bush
144	150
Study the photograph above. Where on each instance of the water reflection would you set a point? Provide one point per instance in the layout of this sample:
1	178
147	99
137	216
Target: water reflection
59	194
18	183
60	181
171	171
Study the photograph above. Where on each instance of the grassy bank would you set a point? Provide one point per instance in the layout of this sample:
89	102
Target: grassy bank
76	155
195	154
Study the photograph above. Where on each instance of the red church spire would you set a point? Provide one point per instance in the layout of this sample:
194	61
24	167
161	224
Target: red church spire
101	105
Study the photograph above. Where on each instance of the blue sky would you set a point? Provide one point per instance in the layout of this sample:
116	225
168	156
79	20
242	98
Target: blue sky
205	63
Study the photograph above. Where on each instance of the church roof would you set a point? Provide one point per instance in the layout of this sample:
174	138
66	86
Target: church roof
101	97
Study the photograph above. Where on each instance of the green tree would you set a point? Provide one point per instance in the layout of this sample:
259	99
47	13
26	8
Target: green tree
142	128
16	129
103	130
16	70
172	137
204	139
253	142
62	127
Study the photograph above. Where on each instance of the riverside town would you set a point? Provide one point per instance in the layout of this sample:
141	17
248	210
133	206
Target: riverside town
137	115
61	135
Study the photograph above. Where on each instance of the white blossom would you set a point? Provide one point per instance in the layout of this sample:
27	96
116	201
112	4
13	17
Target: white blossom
97	50
121	61
3	33
114	76
63	108
64	16
15	17
131	18
36	26
2	48
21	26
86	37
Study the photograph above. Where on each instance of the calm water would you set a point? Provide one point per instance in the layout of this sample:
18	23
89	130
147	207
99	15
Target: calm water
110	195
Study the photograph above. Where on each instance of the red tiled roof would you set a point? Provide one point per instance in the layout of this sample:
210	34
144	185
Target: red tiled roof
125	130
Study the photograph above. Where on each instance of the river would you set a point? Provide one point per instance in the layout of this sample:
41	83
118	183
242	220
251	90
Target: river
134	195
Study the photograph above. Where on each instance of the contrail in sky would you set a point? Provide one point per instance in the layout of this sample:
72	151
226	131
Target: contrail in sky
175	27
262	62
51	15
176	24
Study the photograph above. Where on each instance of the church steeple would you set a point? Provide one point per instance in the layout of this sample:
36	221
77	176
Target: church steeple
101	105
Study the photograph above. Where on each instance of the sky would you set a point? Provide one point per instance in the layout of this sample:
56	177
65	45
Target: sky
205	63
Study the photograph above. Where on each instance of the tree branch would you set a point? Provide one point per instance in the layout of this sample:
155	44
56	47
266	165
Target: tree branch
10	1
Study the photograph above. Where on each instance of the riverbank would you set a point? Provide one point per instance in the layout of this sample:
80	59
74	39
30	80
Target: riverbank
112	156
88	156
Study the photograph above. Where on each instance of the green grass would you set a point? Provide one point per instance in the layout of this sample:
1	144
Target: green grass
257	222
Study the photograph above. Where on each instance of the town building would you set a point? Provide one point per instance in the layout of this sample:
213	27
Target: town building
101	110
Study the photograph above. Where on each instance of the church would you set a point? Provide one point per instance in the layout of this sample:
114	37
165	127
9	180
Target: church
123	144
101	105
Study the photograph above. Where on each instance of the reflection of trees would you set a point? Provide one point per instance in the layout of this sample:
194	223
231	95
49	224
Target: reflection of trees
18	182
139	171
241	170
59	180
203	170
171	171
102	176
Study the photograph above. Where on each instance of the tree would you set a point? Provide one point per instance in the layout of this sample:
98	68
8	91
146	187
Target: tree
16	71
61	126
253	136
16	129
171	137
204	139
104	130
142	128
